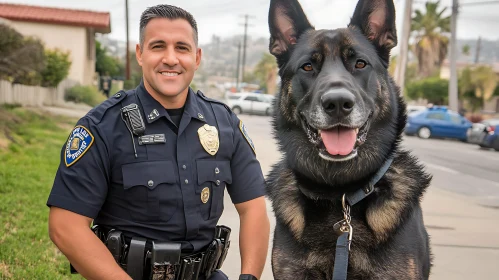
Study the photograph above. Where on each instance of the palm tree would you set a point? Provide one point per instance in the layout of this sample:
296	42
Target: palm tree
430	31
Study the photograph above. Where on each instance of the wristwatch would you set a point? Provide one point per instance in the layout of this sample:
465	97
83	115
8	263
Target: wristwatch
247	277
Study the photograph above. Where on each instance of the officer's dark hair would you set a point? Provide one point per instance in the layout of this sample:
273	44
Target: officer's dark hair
169	12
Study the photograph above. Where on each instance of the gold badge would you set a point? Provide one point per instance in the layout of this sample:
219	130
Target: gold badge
205	195
208	136
75	144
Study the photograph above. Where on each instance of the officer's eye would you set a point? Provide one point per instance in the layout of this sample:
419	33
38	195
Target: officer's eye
307	67
360	64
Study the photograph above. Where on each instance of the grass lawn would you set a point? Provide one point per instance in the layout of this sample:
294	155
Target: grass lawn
30	145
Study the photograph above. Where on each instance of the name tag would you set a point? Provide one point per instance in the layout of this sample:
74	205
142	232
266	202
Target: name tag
152	139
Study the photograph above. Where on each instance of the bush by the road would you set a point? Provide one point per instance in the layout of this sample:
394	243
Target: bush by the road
84	94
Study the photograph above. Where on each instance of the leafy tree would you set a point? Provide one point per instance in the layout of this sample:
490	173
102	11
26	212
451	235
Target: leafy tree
21	59
430	30
57	67
477	85
466	50
435	90
105	63
264	74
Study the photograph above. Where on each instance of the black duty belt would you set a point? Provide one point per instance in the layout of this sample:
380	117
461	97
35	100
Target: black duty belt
149	259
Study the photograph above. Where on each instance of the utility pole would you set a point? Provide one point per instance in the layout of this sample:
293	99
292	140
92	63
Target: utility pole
127	43
246	17
404	47
478	49
453	96
238	62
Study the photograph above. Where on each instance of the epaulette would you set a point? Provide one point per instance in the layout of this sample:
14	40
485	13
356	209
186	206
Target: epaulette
97	113
201	94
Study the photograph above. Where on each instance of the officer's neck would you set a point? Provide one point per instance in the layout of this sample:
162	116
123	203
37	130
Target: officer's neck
168	102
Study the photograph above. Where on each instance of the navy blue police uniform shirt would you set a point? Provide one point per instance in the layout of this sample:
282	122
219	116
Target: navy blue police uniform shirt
171	191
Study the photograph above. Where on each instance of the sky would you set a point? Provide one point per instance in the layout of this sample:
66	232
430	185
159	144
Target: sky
224	18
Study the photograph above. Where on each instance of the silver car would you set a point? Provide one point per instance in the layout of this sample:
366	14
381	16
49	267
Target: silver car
476	134
250	103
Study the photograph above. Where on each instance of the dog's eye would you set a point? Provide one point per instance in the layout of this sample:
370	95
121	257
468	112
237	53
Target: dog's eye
307	67
360	64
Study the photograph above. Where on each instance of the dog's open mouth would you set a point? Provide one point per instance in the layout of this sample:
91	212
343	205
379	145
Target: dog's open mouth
338	143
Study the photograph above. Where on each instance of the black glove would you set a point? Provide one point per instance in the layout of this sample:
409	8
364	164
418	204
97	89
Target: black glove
247	277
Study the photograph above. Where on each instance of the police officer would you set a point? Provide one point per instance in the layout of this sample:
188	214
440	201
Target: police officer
152	164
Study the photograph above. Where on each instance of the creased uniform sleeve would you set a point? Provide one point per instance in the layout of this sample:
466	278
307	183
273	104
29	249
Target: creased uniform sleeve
81	182
247	177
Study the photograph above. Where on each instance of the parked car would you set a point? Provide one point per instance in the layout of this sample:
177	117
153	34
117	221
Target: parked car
437	121
250	103
479	131
491	139
415	108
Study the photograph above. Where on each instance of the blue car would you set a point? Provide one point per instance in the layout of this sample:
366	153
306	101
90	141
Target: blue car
437	121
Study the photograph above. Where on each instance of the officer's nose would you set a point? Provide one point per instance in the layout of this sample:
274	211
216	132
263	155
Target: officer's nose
170	57
338	102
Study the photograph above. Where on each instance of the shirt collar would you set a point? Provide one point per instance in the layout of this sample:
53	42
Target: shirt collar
153	110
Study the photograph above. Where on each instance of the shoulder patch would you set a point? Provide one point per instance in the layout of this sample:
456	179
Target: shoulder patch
242	127
78	144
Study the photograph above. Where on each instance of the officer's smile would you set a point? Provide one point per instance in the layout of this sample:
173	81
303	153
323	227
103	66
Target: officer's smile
170	74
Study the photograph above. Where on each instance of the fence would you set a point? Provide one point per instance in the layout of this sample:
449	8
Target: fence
33	96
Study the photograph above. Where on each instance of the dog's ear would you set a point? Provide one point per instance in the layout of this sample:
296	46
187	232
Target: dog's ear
376	19
287	22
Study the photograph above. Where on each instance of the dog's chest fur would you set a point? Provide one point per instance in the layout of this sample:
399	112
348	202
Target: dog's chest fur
375	220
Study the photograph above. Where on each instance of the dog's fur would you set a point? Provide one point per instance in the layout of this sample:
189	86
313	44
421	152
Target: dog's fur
389	237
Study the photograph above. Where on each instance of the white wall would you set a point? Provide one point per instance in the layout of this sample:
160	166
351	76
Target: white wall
68	38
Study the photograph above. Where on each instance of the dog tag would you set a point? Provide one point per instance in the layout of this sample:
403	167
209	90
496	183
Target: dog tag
341	227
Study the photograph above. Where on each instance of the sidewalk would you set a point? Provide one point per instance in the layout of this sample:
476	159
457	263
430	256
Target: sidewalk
464	236
68	111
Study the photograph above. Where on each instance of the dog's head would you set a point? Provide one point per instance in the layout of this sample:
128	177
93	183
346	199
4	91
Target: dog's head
338	115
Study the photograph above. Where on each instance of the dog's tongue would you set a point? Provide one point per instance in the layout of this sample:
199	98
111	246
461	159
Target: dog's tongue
339	140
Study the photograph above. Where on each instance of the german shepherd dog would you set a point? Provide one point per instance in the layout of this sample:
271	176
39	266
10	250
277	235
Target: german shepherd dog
338	120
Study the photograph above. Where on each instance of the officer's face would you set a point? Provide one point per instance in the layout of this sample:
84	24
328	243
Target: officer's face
169	57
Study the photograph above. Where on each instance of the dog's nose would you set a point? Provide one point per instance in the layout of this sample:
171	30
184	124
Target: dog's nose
338	102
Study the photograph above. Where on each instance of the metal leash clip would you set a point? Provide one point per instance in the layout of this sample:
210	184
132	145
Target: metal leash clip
345	225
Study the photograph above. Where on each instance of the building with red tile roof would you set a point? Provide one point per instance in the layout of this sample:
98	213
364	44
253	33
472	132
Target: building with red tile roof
65	29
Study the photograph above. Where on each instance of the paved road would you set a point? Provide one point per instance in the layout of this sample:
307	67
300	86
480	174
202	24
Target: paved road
453	221
460	167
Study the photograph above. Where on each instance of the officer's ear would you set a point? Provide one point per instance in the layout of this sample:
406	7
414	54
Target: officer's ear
138	54
199	54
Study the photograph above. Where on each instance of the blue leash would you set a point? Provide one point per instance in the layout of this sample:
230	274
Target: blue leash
344	228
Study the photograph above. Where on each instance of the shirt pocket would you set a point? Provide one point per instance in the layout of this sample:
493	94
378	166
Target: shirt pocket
150	190
212	178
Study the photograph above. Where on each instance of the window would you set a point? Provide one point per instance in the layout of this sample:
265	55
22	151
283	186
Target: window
251	98
436	116
234	97
455	119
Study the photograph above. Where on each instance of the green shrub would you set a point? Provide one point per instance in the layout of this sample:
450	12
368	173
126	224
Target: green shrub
435	90
84	94
57	67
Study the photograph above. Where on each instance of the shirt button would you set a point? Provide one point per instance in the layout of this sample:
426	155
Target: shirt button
217	170
150	183
184	167
186	181
218	182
